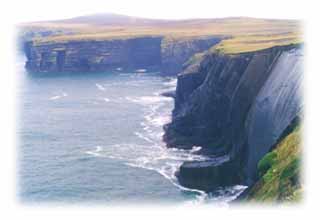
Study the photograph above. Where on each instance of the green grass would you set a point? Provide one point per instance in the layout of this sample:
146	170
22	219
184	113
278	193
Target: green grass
280	172
248	43
195	59
266	163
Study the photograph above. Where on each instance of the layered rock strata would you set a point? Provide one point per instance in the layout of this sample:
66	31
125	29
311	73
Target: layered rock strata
236	105
147	53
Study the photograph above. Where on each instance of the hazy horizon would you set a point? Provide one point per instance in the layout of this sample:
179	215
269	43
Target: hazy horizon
46	11
149	18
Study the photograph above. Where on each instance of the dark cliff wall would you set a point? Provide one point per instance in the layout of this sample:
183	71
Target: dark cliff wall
94	55
278	103
176	52
237	104
151	53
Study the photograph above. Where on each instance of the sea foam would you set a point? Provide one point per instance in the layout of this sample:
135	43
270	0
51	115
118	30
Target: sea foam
100	87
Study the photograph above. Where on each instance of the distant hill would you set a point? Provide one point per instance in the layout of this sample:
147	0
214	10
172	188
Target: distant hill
111	19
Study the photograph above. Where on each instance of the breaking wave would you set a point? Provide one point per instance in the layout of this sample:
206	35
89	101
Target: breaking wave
58	96
100	87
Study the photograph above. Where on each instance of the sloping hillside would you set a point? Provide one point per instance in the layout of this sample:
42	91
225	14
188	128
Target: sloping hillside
279	172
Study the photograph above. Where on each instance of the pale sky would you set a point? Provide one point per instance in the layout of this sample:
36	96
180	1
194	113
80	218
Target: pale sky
36	10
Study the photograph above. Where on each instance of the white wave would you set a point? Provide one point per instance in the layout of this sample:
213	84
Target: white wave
100	87
172	82
140	135
55	97
169	176
226	194
158	120
166	162
106	100
58	96
146	100
140	70
161	92
195	149
95	152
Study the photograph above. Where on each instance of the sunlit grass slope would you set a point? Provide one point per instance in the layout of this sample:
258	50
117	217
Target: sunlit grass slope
279	172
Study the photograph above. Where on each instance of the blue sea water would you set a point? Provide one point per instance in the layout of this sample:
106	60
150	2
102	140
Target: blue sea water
97	138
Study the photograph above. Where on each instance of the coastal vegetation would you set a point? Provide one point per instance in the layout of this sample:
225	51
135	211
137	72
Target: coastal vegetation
280	171
249	43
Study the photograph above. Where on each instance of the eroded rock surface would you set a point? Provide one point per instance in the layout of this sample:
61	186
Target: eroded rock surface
237	105
208	175
149	53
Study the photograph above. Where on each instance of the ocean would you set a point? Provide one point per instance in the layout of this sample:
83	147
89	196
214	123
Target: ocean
96	138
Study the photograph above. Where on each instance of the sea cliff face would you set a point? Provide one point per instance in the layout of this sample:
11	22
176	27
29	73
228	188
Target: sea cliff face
174	53
278	103
91	56
236	105
151	53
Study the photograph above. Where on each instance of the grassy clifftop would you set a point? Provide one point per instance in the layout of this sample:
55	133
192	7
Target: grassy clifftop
248	43
279	172
240	34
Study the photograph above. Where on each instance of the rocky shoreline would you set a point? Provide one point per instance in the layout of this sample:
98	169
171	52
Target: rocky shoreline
235	106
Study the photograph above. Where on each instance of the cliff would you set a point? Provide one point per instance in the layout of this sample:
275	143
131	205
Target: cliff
175	52
103	42
151	53
236	105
